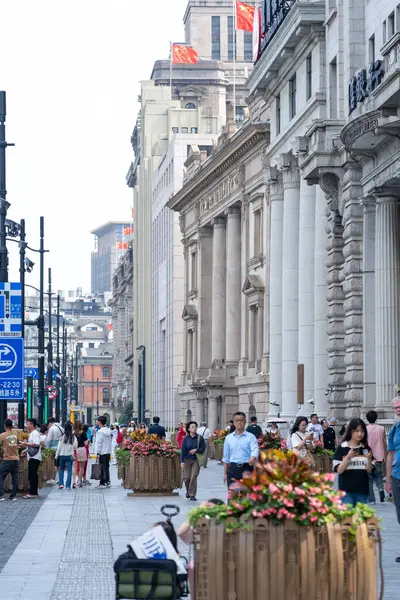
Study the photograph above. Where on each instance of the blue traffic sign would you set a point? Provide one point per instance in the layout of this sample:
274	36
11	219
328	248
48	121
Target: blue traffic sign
31	372
10	310
11	369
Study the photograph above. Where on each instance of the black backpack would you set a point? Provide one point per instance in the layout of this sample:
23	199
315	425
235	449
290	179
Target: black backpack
146	579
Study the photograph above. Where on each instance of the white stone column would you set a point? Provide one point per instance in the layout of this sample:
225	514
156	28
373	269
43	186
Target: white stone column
252	336
195	365
370	398
190	352
306	285
244	302
233	285
199	410
212	413
274	180
387	298
290	289
218	290
185	348
320	306
260	332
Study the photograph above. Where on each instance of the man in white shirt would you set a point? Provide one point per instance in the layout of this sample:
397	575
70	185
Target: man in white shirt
34	454
205	434
315	428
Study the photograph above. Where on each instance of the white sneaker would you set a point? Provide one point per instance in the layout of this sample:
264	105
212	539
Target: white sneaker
101	486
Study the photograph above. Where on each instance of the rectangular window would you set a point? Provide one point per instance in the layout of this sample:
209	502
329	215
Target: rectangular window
309	76
184	130
333	86
91	344
278	114
215	38
257	232
193	271
106	372
292	96
231	38
384	32
175	130
371	49
391	25
193	130
248	46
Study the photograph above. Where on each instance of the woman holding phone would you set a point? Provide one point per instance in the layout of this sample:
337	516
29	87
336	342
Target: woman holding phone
353	461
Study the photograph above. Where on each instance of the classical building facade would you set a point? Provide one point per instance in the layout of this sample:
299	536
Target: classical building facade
224	217
326	79
122	333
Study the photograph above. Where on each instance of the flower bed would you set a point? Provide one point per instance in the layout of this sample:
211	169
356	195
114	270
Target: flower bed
154	464
285	531
123	459
271	441
218	439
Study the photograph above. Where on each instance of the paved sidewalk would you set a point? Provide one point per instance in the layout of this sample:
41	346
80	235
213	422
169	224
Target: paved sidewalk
69	549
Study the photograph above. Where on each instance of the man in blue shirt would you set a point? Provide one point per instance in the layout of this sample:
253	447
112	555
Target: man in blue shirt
240	450
393	461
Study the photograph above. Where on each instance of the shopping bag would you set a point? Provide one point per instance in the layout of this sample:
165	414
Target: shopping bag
96	471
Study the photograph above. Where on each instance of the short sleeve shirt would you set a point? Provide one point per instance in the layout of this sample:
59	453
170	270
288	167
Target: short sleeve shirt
394	446
10	445
316	430
34	438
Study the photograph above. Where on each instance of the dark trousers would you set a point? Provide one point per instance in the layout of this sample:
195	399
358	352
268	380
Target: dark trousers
12	467
235	471
105	471
396	495
33	466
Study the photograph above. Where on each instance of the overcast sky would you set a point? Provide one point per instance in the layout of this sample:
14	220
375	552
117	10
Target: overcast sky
71	70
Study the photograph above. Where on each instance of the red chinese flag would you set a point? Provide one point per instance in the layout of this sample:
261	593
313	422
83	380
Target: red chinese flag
182	54
244	16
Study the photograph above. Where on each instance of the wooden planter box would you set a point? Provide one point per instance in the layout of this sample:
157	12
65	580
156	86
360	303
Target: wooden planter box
48	468
323	463
283	562
23	483
154	474
211	450
121	471
218	451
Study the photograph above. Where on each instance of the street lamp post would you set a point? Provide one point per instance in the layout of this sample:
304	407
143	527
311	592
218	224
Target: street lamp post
97	397
58	370
49	351
41	349
142	383
22	236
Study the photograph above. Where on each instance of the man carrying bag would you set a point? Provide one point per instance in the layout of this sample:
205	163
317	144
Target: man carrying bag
103	453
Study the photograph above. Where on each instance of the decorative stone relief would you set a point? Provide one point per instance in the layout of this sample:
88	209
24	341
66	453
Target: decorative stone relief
219	193
288	165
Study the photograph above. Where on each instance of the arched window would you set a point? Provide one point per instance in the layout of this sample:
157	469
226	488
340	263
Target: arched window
252	412
106	396
190	105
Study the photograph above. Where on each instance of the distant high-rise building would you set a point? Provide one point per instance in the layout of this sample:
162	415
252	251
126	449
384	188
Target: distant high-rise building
110	243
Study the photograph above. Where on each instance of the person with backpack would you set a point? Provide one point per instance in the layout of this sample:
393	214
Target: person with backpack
54	432
192	444
65	452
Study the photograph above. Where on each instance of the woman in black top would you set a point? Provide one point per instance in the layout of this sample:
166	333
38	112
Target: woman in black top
329	435
353	462
192	444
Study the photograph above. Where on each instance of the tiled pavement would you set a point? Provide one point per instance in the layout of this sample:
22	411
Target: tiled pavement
67	552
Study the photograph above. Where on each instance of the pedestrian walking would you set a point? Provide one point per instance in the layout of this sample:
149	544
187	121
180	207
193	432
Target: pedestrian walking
181	434
240	450
10	464
34	454
254	428
103	451
157	429
230	427
66	453
142	428
43	434
55	431
205	434
392	483
316	428
353	462
302	441
81	453
114	444
329	435
377	443
192	444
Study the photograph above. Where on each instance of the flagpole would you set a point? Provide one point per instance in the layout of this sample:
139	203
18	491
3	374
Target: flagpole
170	67
234	60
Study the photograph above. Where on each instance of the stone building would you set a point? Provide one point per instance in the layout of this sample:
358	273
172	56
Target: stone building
224	217
122	319
327	81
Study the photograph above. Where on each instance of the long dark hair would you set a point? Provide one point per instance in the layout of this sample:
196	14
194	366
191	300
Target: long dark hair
352	426
68	433
297	422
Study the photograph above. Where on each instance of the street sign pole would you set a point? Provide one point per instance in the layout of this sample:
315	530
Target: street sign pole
29	397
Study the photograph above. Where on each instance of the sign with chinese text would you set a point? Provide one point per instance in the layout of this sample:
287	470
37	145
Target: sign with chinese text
11	368
10	310
363	83
273	13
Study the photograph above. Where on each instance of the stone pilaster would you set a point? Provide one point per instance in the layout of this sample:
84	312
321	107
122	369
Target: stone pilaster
218	290
387	300
320	306
233	285
352	287
369	206
306	285
212	412
199	408
275	188
244	260
329	183
290	284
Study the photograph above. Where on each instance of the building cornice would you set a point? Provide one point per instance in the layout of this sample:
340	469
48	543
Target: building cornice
238	145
